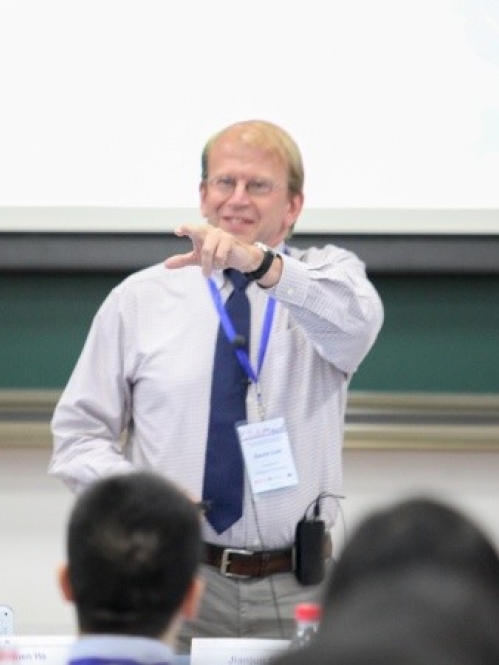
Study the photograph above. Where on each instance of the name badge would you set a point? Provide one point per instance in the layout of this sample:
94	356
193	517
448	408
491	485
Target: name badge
267	455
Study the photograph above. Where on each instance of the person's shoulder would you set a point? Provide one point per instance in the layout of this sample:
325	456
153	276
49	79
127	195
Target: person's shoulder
317	255
154	284
181	659
150	273
157	275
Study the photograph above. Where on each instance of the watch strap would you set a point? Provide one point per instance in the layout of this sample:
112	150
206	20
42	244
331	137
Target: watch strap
263	268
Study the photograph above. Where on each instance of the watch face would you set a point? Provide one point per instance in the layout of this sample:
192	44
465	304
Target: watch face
261	246
264	247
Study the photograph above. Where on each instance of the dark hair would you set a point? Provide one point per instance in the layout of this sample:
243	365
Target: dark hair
414	531
417	583
134	546
409	617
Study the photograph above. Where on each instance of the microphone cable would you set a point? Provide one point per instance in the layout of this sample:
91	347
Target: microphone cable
270	577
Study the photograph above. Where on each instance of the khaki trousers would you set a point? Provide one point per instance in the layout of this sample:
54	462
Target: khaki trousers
261	608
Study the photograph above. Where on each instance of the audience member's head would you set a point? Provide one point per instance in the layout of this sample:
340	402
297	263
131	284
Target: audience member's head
411	532
418	616
417	583
133	547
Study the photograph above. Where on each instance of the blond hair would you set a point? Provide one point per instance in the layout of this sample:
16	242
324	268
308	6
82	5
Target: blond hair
268	136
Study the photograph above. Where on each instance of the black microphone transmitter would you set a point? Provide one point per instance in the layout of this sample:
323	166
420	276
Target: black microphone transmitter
309	551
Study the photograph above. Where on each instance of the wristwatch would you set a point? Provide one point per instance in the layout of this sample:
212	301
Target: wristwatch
268	256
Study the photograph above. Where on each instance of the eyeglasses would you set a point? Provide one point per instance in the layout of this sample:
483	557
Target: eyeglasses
226	184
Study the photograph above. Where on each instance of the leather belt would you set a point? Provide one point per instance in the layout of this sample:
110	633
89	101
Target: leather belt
245	564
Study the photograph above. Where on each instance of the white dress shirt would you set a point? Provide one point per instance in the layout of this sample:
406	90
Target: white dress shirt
139	395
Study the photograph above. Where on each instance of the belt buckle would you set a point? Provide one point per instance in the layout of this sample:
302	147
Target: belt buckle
225	563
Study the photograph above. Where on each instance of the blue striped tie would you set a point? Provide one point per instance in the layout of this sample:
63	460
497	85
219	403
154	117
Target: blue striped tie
224	470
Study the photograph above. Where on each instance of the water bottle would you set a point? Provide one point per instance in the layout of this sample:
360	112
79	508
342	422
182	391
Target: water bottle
307	619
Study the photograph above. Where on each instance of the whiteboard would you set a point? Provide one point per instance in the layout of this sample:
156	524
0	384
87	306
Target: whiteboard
106	104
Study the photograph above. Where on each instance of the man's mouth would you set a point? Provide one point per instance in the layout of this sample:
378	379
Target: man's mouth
235	222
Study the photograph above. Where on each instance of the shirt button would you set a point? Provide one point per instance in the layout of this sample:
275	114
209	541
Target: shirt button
290	292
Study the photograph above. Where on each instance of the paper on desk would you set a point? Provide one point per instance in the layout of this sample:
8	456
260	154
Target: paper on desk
234	651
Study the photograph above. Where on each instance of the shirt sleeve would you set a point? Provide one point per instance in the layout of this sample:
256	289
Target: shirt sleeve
94	408
331	298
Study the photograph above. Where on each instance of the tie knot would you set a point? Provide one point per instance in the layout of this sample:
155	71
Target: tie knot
238	279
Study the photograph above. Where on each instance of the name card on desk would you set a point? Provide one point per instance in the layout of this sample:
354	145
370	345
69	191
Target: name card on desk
29	649
235	651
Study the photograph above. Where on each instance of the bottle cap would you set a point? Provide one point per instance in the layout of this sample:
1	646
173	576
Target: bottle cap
308	612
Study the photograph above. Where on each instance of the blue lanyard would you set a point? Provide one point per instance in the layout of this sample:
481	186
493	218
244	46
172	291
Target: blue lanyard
242	354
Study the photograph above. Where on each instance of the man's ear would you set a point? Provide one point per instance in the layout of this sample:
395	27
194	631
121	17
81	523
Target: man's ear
203	188
64	583
295	205
190	604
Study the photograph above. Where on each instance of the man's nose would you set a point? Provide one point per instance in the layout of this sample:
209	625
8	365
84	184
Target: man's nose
240	193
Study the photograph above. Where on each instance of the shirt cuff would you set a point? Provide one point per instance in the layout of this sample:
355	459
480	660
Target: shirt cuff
292	288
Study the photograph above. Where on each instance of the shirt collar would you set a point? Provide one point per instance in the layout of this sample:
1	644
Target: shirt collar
143	649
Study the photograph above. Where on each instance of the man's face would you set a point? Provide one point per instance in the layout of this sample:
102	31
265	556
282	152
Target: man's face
246	193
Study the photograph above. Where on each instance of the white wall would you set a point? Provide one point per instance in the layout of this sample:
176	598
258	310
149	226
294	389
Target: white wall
34	509
107	103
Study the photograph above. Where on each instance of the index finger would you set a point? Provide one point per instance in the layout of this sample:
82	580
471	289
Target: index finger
190	230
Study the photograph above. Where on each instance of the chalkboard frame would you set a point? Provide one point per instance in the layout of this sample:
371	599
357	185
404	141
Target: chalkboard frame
122	251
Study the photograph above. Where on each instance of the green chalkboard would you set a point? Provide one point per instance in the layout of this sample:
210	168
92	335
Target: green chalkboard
441	333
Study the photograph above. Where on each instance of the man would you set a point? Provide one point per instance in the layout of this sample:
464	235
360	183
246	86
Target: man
154	348
133	547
